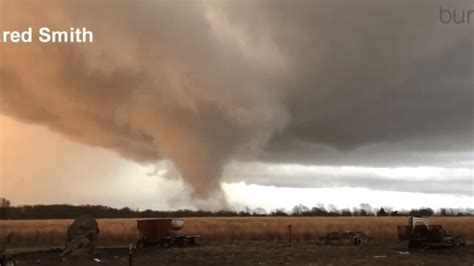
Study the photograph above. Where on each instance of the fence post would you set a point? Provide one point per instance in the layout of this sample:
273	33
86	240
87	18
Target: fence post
130	255
289	233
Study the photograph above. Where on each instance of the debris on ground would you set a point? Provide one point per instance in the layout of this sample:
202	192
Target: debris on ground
401	252
82	235
6	259
348	238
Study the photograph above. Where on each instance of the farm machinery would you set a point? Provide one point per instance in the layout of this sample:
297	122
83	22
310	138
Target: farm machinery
347	238
6	260
420	234
163	232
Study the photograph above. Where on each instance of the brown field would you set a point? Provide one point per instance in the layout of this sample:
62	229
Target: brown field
49	233
242	241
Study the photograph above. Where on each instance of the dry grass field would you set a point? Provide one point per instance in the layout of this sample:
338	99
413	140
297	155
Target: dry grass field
49	233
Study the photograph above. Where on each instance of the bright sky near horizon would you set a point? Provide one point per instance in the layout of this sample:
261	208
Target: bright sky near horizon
87	175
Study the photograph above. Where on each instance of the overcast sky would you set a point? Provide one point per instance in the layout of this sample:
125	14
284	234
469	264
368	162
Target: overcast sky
211	104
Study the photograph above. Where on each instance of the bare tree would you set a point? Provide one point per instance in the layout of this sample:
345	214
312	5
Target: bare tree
4	203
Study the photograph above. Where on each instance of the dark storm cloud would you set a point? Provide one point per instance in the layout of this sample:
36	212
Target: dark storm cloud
203	83
382	75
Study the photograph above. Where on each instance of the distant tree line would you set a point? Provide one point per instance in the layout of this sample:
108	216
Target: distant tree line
7	211
365	209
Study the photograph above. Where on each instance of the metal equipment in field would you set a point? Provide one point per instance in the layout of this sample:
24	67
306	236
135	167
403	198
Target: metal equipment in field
347	238
420	234
163	232
6	260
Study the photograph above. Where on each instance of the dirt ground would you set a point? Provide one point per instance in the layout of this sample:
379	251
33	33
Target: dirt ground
261	253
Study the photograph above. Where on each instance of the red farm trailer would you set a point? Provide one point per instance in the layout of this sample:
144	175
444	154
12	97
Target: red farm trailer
163	232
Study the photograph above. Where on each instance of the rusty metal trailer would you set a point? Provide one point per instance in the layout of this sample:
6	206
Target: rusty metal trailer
163	232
